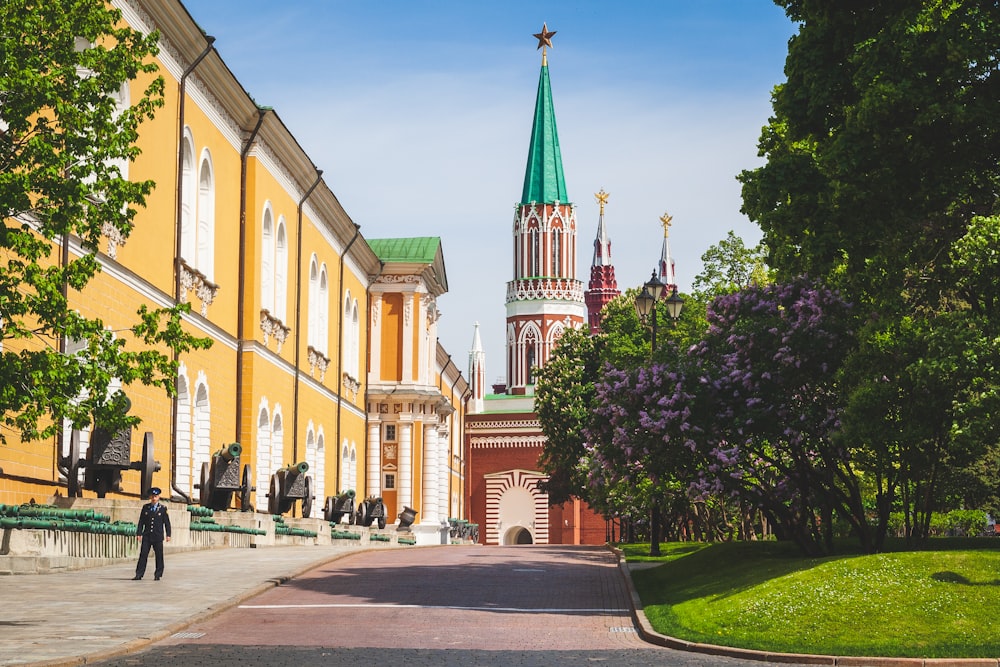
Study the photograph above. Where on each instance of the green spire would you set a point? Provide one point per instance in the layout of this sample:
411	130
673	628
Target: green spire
543	178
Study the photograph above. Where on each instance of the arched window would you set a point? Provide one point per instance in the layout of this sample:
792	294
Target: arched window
353	468
348	342
189	193
556	252
263	459
533	269
280	271
345	467
312	334
205	248
317	466
185	459
202	425
277	441
267	258
323	311
355	324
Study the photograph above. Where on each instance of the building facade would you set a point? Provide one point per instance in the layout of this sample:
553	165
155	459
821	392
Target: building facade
297	303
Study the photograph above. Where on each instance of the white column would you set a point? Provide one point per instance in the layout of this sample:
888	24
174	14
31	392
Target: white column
405	465
374	472
410	304
375	338
429	503
444	475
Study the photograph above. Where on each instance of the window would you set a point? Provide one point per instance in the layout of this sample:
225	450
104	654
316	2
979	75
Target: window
390	481
280	271
263	461
205	244
390	433
273	264
556	252
318	307
188	191
267	261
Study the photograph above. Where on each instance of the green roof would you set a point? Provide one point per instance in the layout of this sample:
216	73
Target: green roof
543	177
419	250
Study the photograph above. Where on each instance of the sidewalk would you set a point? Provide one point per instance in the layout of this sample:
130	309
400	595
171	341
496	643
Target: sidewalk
68	618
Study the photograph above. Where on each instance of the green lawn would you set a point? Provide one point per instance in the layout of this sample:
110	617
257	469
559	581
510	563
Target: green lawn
939	602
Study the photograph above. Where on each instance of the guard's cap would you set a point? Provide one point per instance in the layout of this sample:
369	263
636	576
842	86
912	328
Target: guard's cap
155	491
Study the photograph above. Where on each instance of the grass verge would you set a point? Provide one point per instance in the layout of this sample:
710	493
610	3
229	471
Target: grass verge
941	602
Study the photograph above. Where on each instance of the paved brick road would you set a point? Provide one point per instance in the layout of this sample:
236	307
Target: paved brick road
453	606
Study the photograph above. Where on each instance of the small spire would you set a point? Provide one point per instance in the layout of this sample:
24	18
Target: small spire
665	268
602	199
602	244
477	343
665	220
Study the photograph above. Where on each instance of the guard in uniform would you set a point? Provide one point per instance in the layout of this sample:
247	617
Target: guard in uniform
153	528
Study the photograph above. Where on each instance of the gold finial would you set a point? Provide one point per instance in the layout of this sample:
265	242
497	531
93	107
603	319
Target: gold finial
544	40
665	219
602	199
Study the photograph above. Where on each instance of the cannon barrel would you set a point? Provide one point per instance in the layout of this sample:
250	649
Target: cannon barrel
297	468
230	452
346	494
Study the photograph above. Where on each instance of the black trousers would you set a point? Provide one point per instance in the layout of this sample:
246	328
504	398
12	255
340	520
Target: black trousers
157	546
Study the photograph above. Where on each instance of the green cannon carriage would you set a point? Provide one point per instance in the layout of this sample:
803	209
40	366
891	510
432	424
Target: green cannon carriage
289	484
221	478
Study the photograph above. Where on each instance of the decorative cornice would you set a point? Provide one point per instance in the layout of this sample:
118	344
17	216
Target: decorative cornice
507	442
396	279
548	289
504	424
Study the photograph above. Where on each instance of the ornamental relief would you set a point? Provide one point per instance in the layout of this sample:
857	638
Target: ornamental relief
194	280
395	279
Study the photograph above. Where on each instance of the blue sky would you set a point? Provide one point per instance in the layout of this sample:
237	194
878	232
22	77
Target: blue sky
419	113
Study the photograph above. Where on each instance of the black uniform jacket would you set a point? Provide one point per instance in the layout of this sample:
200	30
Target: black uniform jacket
153	524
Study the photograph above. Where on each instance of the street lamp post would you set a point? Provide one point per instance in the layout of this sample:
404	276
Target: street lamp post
645	306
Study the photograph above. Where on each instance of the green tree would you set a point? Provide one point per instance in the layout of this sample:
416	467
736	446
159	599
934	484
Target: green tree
564	397
882	144
66	133
729	266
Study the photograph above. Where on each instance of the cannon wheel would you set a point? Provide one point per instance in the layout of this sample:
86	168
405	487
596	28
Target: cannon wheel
73	489
204	488
246	488
361	514
307	499
274	496
149	466
328	508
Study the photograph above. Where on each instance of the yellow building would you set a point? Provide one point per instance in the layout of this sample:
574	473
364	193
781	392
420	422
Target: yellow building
416	396
242	226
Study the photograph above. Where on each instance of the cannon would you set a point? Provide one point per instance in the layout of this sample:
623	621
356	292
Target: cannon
371	510
289	484
336	507
107	456
406	518
221	478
